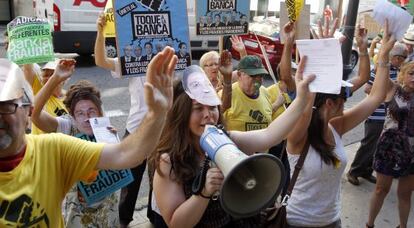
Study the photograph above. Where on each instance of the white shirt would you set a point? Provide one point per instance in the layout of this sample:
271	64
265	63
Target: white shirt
315	199
138	108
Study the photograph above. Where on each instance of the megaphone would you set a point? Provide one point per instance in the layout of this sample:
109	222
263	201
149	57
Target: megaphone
251	183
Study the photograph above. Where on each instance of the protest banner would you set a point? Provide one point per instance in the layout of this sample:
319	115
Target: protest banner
30	40
107	181
144	28
109	29
222	17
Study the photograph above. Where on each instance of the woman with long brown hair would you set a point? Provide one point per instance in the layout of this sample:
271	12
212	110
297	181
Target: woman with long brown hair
179	157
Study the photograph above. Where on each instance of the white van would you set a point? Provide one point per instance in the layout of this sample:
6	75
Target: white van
74	23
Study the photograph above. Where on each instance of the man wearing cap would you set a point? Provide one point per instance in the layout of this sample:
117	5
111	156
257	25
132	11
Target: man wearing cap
36	171
362	164
409	43
37	78
250	107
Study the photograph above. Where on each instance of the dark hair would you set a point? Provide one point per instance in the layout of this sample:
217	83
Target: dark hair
316	128
82	90
177	140
181	44
149	43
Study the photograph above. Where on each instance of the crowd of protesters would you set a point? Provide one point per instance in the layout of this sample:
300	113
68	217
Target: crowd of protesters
40	171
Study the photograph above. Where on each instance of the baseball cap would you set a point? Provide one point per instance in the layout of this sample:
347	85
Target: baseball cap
198	86
13	84
252	65
51	65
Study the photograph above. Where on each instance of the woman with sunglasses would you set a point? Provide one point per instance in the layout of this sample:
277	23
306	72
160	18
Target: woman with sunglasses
315	199
394	155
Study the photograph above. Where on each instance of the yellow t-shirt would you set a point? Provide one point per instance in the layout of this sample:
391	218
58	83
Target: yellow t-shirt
54	106
274	92
31	194
245	113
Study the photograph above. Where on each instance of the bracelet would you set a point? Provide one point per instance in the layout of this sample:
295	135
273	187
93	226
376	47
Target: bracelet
383	64
205	197
363	54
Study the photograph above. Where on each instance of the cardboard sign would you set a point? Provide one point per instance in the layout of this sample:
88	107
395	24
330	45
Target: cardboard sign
30	41
106	183
222	17
144	28
109	29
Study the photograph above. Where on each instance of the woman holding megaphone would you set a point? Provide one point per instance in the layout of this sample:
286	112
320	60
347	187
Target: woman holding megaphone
179	156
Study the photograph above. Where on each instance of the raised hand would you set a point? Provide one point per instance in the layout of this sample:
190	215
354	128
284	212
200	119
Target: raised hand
100	22
214	180
326	31
64	69
226	66
237	44
289	32
388	40
361	37
302	83
159	87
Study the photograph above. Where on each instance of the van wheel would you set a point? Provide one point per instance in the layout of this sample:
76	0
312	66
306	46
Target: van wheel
354	59
110	51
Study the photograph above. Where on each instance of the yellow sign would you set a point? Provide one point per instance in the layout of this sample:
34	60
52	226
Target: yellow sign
294	7
109	29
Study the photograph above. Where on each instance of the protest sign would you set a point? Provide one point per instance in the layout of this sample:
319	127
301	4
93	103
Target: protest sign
144	28
30	40
107	181
222	17
109	29
302	23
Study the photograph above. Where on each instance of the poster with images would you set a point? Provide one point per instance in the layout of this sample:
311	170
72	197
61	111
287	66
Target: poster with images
222	17
30	40
145	27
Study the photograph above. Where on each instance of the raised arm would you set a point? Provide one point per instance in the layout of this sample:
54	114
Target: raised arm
226	69
43	120
382	83
29	73
158	93
288	33
261	140
364	64
101	59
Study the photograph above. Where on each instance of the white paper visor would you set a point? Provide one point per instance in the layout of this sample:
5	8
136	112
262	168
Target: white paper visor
198	87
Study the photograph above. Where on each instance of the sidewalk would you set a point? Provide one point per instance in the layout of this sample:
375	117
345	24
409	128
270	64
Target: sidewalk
355	203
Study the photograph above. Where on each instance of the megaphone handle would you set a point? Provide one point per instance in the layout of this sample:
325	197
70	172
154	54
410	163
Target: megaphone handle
200	179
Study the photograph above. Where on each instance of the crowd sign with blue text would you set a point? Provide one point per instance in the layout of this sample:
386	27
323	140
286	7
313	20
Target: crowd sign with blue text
145	27
222	17
106	183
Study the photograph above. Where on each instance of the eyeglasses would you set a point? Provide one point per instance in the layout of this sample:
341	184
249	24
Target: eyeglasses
10	108
400	56
211	65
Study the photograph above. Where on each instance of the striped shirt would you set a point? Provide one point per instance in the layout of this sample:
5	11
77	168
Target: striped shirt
380	112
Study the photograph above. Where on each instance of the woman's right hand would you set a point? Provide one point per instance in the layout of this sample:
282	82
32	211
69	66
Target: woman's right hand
302	83
388	41
214	180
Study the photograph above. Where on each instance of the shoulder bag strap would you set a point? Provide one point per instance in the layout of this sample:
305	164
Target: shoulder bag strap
298	167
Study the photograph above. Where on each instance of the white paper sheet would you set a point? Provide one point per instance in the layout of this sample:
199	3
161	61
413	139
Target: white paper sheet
100	130
398	19
324	61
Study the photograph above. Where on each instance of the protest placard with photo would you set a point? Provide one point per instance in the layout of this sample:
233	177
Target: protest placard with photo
144	28
30	40
222	17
